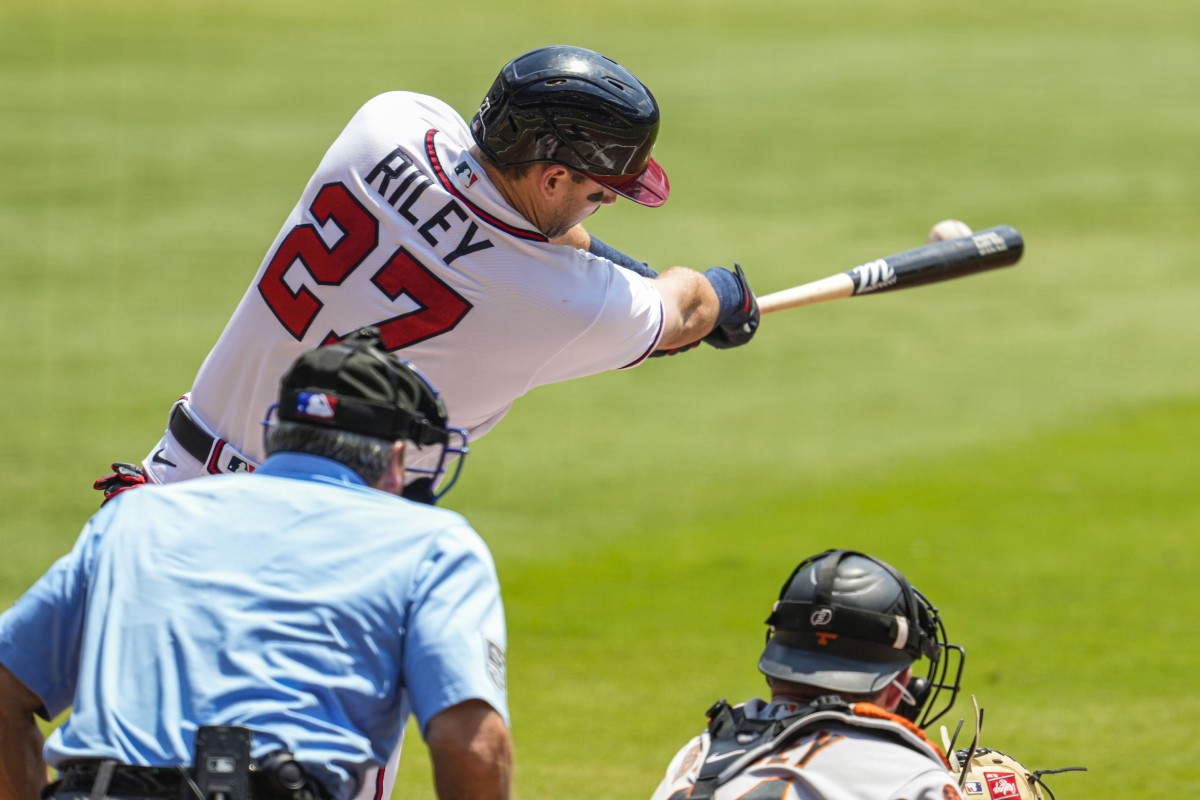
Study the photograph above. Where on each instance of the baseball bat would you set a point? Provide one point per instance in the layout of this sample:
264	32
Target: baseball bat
983	250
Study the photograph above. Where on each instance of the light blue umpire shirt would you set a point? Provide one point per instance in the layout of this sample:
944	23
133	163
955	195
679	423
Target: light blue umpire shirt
295	601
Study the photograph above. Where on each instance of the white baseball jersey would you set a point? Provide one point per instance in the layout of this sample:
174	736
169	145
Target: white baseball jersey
401	228
834	761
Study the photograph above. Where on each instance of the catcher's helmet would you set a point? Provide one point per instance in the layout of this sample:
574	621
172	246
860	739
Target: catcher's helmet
355	385
575	107
848	622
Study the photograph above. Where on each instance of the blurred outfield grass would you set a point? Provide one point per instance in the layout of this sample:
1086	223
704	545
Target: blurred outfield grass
1023	444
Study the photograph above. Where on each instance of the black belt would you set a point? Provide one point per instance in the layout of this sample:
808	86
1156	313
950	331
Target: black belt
137	783
191	437
77	779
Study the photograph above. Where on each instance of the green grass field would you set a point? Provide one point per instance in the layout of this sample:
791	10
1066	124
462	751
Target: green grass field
1023	444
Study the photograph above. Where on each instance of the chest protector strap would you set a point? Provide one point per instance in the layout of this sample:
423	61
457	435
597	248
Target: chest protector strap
736	742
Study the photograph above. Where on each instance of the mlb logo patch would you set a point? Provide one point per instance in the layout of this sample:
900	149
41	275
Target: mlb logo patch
316	405
973	787
466	176
1002	786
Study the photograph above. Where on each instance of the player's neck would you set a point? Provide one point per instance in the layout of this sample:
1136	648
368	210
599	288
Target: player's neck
516	193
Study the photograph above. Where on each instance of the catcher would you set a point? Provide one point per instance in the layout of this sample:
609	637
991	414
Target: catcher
845	716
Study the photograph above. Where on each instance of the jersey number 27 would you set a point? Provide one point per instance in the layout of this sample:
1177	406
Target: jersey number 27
439	307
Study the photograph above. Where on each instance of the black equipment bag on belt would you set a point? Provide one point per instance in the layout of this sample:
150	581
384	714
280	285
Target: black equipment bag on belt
222	770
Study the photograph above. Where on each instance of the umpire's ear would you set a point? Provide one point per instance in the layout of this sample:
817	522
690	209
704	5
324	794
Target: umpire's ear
392	480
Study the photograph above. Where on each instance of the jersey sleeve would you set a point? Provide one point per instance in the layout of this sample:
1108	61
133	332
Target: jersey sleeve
455	644
681	772
41	635
638	300
626	328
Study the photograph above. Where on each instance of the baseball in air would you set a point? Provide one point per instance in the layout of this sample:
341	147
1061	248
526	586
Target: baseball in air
948	229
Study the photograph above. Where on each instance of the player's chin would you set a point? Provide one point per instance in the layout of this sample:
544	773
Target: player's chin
591	209
558	228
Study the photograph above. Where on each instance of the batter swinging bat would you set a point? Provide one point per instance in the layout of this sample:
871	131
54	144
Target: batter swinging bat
987	249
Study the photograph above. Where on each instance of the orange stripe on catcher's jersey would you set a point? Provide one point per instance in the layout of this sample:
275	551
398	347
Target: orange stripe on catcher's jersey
871	711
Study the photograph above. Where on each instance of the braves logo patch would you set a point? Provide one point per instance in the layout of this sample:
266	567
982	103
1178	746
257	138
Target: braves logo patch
316	405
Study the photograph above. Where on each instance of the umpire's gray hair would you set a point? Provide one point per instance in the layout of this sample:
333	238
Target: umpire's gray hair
367	455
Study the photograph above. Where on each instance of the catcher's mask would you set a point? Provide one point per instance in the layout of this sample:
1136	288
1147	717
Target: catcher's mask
574	107
355	385
848	622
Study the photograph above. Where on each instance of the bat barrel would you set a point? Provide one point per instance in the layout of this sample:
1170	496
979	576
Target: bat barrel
990	248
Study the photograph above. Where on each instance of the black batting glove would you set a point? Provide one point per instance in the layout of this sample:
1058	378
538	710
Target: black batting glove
738	320
122	478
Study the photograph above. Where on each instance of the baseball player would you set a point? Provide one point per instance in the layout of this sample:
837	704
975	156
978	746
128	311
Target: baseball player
266	637
463	245
839	658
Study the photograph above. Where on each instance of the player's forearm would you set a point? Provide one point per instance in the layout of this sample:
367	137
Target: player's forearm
690	306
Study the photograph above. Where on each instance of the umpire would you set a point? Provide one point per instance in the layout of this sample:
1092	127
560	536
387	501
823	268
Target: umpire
845	634
268	635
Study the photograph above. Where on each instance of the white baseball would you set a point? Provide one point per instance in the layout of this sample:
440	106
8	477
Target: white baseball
948	229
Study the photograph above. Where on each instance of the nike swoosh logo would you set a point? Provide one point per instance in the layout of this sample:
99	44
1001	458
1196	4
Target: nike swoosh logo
723	756
158	459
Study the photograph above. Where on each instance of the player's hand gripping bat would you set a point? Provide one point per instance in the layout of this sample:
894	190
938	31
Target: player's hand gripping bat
990	248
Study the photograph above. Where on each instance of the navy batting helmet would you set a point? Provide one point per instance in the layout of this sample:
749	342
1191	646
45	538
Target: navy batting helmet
848	622
575	107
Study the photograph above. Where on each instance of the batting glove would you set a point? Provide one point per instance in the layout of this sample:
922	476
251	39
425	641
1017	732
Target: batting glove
739	316
122	478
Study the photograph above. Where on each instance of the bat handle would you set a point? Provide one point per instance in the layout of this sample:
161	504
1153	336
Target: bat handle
832	287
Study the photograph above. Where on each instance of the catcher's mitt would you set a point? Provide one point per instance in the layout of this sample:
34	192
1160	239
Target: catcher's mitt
993	775
986	774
